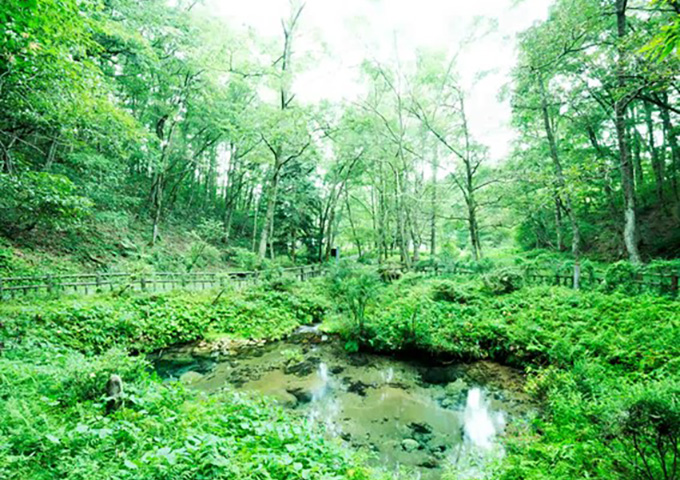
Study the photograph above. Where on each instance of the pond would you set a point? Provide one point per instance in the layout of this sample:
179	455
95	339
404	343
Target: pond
409	415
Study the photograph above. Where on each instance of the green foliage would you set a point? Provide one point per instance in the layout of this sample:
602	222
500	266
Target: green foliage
356	289
54	425
621	277
604	368
452	291
38	199
149	322
503	280
243	258
211	231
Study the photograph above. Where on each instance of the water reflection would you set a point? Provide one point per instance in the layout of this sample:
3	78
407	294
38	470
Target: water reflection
386	407
481	425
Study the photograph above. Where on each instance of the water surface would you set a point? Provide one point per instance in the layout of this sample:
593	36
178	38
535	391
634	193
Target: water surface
414	416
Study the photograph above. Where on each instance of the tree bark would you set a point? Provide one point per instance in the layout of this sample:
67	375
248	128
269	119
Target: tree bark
433	204
620	105
562	185
672	141
657	160
271	207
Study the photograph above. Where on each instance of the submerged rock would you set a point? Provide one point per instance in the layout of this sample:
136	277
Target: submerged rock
410	445
189	378
440	375
304	368
420	428
359	388
302	395
284	398
430	462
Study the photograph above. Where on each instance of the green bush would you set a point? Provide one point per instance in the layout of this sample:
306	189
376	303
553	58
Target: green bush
621	277
149	322
54	425
452	291
243	258
38	199
503	281
356	289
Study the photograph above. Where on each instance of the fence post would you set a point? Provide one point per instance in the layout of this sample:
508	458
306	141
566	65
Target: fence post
674	285
2	290
142	282
48	283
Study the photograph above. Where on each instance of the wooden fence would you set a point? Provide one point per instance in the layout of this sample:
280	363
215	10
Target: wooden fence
662	283
665	284
13	287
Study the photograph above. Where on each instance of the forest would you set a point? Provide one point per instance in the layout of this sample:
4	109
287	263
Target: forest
214	267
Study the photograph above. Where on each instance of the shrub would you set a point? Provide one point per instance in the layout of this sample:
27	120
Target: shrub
621	277
503	281
356	289
450	291
39	199
210	231
243	258
649	429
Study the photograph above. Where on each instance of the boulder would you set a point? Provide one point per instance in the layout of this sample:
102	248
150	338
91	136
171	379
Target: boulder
284	398
189	378
302	395
410	445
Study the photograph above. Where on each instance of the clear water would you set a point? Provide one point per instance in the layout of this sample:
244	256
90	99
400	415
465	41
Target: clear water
414	418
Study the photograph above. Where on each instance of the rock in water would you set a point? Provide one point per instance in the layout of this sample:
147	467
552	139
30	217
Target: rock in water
189	378
410	445
114	393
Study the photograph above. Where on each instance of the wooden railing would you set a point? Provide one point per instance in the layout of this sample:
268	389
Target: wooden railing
663	283
12	287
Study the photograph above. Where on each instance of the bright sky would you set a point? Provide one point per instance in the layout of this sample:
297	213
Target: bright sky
339	34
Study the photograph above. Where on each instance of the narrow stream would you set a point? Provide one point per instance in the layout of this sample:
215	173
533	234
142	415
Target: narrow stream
408	415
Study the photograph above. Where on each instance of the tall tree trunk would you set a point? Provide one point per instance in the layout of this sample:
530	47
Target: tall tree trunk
271	207
672	141
637	152
288	34
257	212
657	160
558	220
562	184
469	186
433	204
357	240
620	105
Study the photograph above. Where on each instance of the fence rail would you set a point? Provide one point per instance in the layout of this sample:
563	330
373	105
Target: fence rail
13	287
663	283
87	283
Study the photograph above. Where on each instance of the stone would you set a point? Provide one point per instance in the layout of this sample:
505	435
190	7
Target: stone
420	428
114	393
359	388
304	368
189	378
302	395
410	445
430	462
284	398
